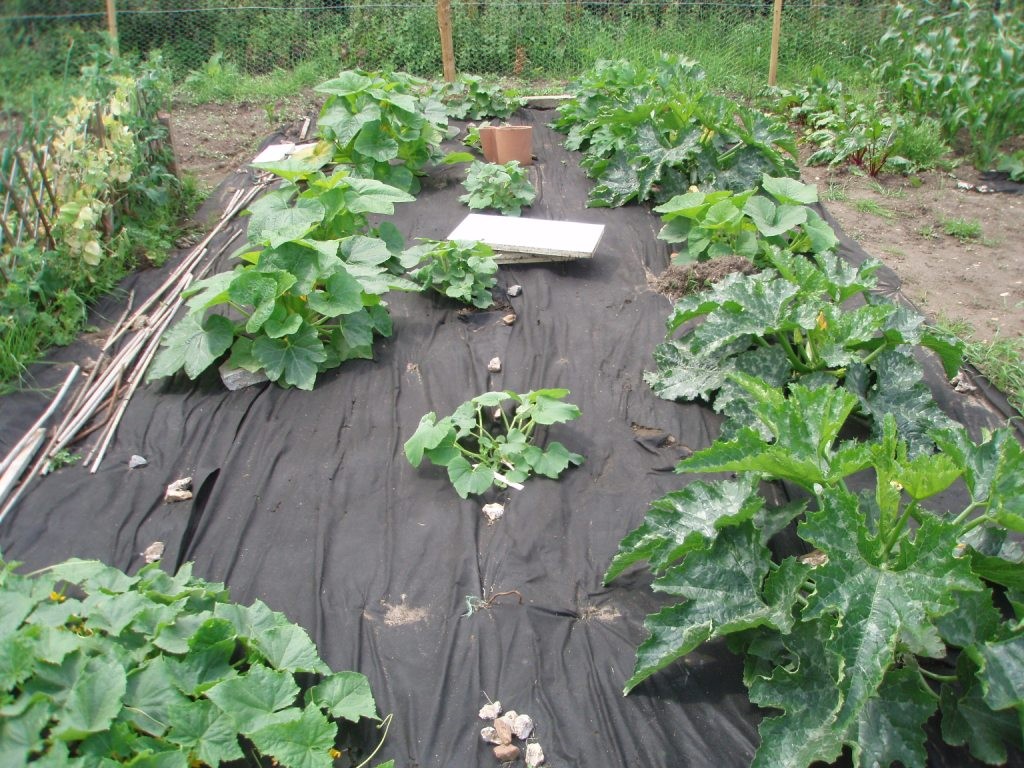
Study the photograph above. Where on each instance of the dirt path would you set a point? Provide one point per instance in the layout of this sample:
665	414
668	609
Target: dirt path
901	221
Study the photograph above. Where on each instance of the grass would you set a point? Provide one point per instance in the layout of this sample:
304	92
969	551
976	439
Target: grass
927	230
837	193
1001	360
874	208
962	229
892	193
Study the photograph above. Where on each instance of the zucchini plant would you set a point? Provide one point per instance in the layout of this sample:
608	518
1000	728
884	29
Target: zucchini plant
791	323
386	126
504	187
483	445
724	223
895	608
650	134
464	271
470	97
307	295
103	668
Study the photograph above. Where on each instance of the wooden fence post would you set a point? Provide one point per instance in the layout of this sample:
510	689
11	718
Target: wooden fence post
112	25
773	62
444	26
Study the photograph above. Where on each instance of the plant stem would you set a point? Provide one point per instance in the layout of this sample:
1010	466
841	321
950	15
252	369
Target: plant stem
386	725
936	676
962	517
794	359
894	533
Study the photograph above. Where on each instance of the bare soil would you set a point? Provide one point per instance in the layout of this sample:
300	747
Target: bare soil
901	221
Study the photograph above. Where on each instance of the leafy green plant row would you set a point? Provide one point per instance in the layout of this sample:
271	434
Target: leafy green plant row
962	64
505	187
102	668
307	295
116	206
892	611
651	134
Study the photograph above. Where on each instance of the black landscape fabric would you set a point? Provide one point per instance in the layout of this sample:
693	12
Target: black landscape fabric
305	500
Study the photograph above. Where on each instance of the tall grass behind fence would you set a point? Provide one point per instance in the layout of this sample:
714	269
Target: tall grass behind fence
531	39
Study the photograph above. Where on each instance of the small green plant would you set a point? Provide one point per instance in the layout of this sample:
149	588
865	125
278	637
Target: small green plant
919	146
503	187
483	445
106	668
927	230
962	229
64	458
472	98
464	271
837	193
864	136
724	223
891	610
875	208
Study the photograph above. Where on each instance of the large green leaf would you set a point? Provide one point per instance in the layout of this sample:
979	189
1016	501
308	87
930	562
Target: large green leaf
772	220
205	731
21	734
723	590
372	196
553	460
94	700
550	410
429	434
683	521
291	360
1001	672
151	695
259	290
890	728
304	742
345	695
342	295
192	344
374	142
275	220
256	700
288	647
967	719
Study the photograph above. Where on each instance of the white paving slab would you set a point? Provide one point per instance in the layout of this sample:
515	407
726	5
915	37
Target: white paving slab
523	240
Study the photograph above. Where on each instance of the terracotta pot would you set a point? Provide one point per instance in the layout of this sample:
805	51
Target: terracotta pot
514	142
487	143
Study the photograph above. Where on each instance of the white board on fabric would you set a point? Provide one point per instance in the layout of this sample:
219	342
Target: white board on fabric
517	239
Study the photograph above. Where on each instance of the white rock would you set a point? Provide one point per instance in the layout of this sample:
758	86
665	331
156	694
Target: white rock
489	735
490	711
534	755
522	726
153	552
494	366
179	490
493	512
137	461
515	290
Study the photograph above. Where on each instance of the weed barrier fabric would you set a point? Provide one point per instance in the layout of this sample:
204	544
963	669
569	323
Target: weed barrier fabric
306	501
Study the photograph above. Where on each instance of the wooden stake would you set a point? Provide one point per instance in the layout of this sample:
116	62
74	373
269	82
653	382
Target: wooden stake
444	26
773	62
112	25
35	201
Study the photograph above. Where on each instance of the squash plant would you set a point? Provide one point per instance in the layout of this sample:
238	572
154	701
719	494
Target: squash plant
505	187
651	134
791	323
724	223
307	296
463	271
482	445
103	668
386	126
896	609
470	97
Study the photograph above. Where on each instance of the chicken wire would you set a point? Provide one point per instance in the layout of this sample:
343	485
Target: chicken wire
536	39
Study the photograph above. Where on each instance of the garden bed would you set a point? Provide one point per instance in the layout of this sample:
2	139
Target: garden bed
305	500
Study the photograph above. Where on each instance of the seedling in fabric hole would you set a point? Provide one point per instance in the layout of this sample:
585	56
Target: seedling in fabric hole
504	187
463	271
892	608
483	445
103	668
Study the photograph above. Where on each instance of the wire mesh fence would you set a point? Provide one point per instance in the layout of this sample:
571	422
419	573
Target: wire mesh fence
531	39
